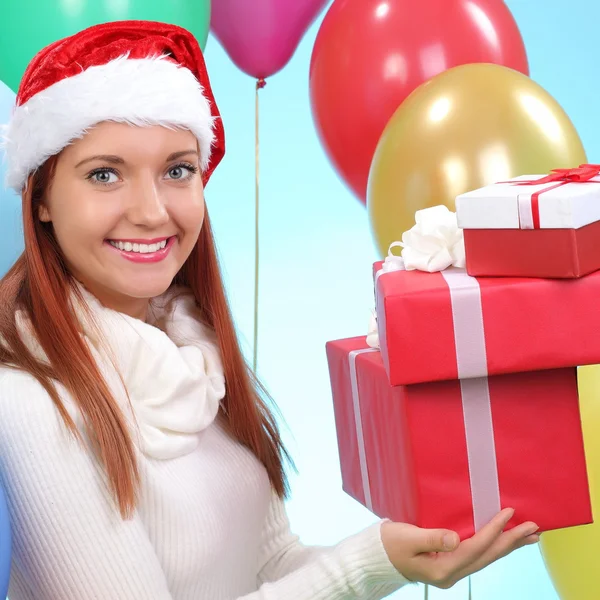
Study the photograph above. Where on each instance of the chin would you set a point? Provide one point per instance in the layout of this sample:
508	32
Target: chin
145	289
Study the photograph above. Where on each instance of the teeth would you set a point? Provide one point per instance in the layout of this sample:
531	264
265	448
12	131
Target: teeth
141	248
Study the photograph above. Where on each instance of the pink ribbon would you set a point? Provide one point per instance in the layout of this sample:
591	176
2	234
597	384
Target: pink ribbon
469	337
362	455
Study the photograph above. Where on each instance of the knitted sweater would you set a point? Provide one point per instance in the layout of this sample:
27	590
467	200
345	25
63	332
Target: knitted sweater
207	525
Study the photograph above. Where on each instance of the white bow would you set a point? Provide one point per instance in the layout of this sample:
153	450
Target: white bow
393	262
433	244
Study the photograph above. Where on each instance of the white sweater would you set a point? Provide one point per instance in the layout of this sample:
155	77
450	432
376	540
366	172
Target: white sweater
207	526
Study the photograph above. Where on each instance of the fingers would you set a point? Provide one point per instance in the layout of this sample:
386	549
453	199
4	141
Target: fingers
511	540
434	540
443	567
476	546
518	537
443	540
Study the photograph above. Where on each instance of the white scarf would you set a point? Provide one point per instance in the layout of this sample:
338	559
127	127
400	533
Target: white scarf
170	367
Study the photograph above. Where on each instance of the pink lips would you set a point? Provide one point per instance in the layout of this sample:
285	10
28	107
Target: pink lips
148	257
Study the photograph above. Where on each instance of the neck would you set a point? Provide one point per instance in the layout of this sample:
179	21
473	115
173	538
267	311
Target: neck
136	308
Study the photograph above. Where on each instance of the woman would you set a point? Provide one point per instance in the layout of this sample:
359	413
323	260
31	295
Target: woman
139	459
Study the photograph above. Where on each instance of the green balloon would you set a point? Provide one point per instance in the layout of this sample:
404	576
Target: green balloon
27	26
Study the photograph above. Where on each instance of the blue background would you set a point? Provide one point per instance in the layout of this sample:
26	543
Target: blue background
316	255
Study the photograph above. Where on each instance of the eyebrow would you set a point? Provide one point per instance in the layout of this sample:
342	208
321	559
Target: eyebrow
118	160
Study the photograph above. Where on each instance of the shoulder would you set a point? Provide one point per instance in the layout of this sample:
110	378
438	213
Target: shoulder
37	450
16	382
26	408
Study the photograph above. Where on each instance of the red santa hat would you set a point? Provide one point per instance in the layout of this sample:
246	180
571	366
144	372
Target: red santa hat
136	72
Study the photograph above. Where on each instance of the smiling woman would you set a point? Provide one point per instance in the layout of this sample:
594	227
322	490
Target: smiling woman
115	329
114	326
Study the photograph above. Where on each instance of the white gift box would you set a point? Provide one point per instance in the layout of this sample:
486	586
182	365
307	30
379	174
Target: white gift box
534	225
560	205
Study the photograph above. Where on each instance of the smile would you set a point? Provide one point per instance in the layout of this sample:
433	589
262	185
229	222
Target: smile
143	251
137	247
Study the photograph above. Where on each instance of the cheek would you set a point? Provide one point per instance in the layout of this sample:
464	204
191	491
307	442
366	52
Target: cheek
83	226
80	225
189	217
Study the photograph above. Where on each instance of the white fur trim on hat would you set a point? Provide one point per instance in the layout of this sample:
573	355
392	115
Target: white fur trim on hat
143	92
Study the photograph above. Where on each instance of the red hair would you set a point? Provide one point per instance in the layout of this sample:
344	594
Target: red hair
40	285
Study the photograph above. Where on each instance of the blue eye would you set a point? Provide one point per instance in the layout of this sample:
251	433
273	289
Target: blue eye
103	176
178	171
108	176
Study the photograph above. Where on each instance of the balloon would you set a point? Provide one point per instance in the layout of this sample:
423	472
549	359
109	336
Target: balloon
5	546
11	228
261	36
26	27
571	555
467	127
370	55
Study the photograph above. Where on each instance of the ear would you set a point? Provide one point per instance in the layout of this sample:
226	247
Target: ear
44	214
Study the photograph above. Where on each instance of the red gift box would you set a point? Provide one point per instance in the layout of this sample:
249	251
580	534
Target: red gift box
534	226
448	325
451	454
559	253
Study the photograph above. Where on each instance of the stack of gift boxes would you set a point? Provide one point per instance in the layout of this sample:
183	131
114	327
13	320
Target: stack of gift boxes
467	402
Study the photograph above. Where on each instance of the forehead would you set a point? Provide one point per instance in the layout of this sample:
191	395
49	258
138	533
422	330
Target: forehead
132	142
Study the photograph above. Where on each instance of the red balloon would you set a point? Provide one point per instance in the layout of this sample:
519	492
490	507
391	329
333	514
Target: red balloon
369	55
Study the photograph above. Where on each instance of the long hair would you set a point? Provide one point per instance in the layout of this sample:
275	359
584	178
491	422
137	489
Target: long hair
40	284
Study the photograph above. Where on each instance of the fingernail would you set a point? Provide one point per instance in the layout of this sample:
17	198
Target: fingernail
509	514
449	541
531	530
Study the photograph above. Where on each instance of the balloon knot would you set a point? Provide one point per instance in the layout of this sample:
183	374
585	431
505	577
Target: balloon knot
260	84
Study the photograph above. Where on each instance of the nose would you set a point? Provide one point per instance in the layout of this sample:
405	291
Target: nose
147	207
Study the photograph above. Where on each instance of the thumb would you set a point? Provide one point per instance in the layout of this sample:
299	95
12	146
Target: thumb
436	540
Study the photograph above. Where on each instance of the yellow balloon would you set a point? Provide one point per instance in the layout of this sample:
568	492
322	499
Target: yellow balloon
571	555
465	128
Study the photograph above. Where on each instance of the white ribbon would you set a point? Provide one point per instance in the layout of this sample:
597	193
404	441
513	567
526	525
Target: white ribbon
391	263
471	358
360	438
435	242
525	211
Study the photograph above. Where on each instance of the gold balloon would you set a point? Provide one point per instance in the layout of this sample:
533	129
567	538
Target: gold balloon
465	128
571	555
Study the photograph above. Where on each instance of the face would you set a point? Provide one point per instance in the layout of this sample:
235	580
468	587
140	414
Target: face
127	206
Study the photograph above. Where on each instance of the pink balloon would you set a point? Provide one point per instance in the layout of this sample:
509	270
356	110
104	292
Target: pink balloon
261	36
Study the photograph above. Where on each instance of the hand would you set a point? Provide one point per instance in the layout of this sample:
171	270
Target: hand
437	557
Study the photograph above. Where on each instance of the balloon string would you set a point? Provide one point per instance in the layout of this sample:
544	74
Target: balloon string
259	85
426	596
